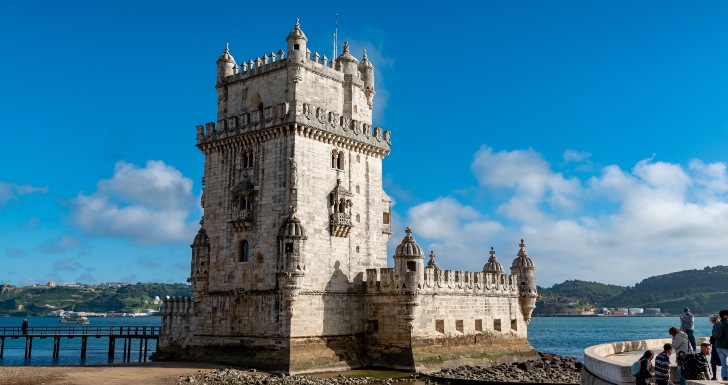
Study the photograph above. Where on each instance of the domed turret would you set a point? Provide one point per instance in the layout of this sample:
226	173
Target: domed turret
296	43
409	262
226	65
367	71
347	61
493	266
200	263
525	272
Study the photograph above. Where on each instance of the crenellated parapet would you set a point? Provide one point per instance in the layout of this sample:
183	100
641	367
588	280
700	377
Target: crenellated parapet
177	306
436	281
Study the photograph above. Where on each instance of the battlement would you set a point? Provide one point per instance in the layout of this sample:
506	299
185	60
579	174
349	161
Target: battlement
307	116
178	305
435	281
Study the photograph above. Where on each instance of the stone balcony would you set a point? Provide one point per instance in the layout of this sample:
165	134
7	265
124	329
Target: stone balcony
341	224
241	220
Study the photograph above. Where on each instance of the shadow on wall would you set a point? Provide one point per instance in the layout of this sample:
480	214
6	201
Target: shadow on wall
342	316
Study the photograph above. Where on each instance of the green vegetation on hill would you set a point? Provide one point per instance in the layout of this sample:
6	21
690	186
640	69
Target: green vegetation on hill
704	291
40	300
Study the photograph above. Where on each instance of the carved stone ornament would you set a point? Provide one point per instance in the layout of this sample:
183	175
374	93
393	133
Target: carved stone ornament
268	114
333	119
367	128
321	115
345	123
378	134
307	111
255	118
356	127
388	137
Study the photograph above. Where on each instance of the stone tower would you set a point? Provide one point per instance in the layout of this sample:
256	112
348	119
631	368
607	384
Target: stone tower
294	210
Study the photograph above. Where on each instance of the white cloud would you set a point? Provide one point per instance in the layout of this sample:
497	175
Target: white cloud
576	156
149	205
616	226
13	191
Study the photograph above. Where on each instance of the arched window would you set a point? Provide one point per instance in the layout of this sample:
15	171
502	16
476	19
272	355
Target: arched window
340	163
244	251
250	157
334	158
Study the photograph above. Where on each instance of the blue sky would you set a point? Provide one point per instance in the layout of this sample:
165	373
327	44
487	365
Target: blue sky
595	130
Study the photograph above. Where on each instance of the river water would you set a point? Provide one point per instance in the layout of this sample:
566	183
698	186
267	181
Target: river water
566	336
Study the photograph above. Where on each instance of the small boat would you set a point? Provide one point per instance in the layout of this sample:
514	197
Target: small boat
73	318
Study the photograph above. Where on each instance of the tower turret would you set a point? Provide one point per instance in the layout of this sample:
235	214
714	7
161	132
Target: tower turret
296	43
525	272
347	61
409	262
199	275
226	65
493	266
366	69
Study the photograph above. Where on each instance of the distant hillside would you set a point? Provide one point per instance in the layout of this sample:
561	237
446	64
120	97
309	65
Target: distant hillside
703	291
40	300
574	297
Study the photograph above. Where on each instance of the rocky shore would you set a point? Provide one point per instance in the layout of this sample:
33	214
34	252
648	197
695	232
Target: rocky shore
228	376
549	369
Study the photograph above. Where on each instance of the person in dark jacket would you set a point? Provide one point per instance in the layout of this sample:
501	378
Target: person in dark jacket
714	359
721	343
24	327
662	366
645	368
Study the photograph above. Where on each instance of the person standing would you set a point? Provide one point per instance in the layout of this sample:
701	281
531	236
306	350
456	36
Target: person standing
721	342
714	359
645	368
662	366
682	347
687	324
24	327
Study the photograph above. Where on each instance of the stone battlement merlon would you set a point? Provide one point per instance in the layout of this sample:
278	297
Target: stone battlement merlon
444	281
321	64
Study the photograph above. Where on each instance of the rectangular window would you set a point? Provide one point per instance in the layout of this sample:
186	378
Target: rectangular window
459	325
478	325
411	266
440	326
497	324
514	324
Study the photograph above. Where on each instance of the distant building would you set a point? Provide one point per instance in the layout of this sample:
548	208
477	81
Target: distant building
51	284
652	311
288	269
636	310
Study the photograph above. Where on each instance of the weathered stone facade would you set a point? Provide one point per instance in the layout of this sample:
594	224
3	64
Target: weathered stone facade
288	266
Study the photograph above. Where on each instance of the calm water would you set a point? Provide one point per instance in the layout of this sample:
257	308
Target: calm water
567	336
70	351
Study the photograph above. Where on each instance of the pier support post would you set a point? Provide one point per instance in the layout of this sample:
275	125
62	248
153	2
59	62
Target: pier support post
146	341
112	345
28	347
2	346
83	347
56	346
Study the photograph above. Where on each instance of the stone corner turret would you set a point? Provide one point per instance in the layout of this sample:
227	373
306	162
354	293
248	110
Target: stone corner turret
525	271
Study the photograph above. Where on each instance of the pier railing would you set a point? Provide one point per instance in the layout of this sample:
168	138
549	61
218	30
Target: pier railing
126	333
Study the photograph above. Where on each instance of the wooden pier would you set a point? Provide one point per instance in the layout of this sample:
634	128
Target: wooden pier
113	333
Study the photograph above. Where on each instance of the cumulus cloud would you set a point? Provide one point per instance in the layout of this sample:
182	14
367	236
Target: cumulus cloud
576	156
13	191
615	226
148	205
